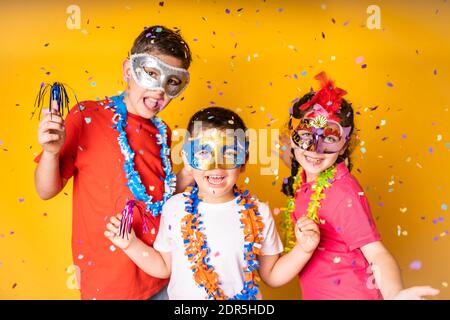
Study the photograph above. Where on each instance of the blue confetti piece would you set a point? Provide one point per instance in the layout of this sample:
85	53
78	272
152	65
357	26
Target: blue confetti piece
415	265
444	207
87	120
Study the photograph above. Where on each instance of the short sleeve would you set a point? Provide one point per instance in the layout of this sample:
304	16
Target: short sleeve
68	154
354	221
271	244
163	242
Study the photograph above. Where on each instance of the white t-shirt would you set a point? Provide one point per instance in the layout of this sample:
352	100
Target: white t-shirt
225	238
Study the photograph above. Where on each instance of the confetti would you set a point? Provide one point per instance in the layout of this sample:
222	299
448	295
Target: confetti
359	60
415	265
21	200
439	137
80	257
87	120
337	259
390	84
112	248
444	207
276	211
403	210
247	180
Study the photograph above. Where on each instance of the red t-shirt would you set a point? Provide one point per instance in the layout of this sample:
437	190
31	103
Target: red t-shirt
91	155
338	269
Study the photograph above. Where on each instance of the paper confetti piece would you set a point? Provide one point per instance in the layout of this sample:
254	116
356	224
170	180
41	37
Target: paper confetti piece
359	60
112	248
87	120
337	259
390	84
444	207
415	265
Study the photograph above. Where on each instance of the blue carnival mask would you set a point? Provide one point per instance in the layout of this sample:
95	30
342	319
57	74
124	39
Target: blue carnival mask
216	151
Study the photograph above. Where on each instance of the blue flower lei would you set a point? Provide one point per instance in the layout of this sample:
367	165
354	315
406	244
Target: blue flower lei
134	182
252	246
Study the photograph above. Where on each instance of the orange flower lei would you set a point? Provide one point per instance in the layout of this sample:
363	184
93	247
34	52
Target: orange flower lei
197	250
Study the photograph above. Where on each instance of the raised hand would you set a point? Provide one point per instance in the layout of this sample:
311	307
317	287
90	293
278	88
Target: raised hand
51	131
112	233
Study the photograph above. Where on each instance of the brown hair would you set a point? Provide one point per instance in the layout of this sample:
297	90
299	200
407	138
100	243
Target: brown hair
163	40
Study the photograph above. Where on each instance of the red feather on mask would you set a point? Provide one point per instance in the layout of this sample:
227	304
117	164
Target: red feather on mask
329	96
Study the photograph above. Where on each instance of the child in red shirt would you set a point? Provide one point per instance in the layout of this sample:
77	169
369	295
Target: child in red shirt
117	150
350	262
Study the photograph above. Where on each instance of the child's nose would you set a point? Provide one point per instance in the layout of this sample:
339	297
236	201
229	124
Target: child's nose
160	93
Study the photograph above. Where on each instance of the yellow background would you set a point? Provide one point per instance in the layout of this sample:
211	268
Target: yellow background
406	182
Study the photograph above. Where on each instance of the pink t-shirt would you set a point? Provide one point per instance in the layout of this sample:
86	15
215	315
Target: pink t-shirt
338	269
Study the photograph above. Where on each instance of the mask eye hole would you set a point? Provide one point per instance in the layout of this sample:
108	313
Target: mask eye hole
152	72
204	153
331	139
229	153
173	81
304	135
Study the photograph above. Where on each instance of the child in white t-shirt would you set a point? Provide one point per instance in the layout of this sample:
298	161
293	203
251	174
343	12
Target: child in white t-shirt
214	238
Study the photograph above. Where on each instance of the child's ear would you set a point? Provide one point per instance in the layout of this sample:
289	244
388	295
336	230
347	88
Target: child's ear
126	70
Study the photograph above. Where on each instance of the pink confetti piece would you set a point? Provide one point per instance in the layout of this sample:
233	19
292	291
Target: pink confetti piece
359	60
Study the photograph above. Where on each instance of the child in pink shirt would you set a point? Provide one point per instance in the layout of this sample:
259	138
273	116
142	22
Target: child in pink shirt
350	262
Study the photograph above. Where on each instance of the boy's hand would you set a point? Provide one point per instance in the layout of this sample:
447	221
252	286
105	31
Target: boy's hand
307	233
112	233
416	293
51	131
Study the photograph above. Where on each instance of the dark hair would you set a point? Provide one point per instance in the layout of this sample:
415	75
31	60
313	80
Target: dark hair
217	117
163	40
346	116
